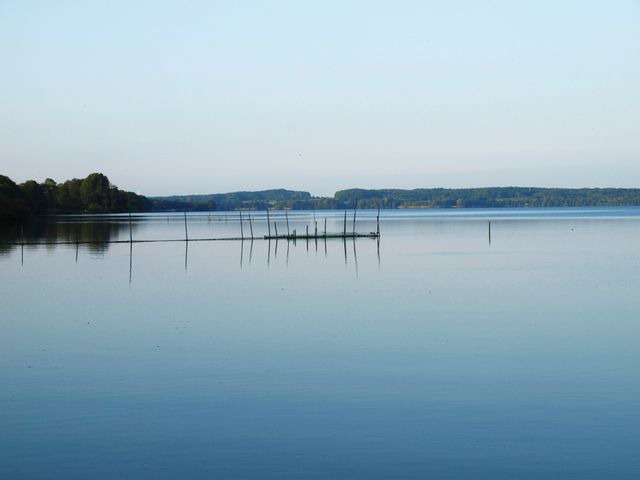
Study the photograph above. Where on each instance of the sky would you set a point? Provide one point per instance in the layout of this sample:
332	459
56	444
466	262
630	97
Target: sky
179	97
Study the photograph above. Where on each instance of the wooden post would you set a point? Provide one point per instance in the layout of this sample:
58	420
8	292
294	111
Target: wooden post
489	232
268	223
186	233
241	229
275	226
251	226
287	217
325	227
344	230
316	229
307	231
354	222
130	231
378	223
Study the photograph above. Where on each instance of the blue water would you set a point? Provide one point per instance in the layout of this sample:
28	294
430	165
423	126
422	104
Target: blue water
434	354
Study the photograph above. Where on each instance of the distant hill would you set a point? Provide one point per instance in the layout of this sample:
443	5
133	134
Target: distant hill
491	197
259	200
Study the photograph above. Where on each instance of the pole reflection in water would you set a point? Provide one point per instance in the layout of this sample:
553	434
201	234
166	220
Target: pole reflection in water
344	243
186	254
355	256
291	243
269	253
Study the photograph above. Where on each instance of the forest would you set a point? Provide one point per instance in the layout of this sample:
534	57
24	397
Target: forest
96	194
492	197
93	194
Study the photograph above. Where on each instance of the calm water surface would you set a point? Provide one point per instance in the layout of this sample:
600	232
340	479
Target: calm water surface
434	354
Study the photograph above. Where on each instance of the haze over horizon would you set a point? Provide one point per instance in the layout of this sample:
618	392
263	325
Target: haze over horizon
167	98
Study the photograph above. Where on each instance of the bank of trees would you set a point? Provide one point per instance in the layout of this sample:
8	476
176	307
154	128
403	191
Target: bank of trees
493	197
93	194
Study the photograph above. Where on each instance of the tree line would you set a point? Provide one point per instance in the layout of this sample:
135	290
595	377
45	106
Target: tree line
96	194
492	197
93	194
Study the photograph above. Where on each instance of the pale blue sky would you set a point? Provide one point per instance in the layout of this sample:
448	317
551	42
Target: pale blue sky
195	97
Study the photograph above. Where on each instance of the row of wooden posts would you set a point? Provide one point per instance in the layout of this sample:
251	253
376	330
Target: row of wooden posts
290	235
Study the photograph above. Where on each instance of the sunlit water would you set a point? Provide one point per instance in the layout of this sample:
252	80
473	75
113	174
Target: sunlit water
435	354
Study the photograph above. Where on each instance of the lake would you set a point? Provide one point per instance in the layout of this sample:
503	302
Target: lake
441	351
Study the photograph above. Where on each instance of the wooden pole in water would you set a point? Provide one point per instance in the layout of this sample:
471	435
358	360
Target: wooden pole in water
307	231
287	217
344	230
241	229
268	223
378	223
275	226
316	229
325	227
130	231
354	222
251	226
186	233
489	232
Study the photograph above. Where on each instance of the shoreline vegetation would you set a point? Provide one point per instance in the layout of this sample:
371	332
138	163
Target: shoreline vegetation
96	194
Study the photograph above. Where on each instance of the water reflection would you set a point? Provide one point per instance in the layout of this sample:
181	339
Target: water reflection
454	360
290	246
186	255
93	236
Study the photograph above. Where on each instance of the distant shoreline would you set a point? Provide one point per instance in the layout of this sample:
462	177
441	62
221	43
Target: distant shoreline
95	194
